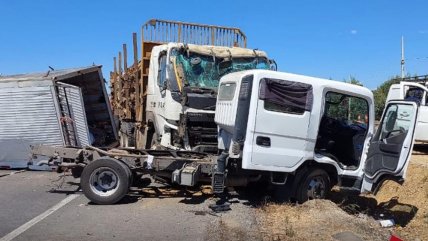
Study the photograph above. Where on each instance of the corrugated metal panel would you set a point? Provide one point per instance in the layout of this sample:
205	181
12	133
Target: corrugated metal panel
27	116
78	114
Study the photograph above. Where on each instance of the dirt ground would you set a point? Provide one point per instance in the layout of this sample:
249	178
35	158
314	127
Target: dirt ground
406	204
409	201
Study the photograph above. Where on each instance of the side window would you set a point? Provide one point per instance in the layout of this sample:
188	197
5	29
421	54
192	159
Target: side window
396	122
226	91
347	110
415	94
286	96
162	70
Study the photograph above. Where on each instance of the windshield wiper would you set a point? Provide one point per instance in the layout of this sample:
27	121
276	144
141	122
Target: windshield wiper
202	90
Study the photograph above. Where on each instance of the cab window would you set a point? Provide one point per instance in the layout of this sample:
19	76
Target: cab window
226	91
397	121
162	70
286	96
343	129
348	110
415	94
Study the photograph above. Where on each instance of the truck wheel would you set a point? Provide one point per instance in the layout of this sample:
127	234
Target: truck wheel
315	184
105	181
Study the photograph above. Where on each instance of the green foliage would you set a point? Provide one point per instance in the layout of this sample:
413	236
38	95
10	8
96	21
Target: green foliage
354	81
342	107
381	93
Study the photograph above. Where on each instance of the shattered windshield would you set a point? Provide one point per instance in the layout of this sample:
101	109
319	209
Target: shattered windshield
202	71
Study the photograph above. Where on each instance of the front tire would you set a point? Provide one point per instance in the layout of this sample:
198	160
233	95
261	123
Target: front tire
105	181
315	184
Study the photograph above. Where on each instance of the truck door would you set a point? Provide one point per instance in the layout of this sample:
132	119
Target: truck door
391	147
281	123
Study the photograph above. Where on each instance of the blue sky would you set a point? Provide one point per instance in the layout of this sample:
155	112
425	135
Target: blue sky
329	39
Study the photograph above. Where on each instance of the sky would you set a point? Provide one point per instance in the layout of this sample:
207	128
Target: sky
329	39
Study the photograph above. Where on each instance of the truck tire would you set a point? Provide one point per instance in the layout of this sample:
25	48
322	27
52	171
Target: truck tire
105	181
315	184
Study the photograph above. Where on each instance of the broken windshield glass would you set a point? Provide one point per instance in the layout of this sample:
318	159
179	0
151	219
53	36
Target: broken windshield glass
202	71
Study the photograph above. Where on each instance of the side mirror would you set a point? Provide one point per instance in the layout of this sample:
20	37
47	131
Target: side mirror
272	65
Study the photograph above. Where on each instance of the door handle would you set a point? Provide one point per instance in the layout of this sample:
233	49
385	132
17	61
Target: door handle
263	141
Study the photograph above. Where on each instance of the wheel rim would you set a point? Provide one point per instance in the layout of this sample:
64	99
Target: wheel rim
104	181
316	188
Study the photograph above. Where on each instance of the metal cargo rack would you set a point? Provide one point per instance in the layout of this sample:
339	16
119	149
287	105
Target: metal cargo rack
129	84
423	79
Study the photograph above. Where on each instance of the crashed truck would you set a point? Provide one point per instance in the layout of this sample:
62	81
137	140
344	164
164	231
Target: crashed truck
415	89
167	98
59	107
300	134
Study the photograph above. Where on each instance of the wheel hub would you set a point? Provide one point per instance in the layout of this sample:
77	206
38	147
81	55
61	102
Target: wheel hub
316	188
104	181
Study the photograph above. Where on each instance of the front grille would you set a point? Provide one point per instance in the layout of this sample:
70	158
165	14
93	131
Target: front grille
201	129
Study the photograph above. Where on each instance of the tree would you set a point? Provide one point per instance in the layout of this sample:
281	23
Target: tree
380	94
354	81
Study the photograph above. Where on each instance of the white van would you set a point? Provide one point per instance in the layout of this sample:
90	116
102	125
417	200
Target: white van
415	92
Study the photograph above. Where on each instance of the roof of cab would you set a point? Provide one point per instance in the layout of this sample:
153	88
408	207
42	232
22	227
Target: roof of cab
314	81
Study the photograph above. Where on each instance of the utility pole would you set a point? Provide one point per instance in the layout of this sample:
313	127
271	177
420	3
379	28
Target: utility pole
402	57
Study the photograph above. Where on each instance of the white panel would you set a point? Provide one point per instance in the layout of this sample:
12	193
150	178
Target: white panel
27	116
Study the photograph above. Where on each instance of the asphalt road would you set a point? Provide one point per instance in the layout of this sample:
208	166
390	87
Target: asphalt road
30	211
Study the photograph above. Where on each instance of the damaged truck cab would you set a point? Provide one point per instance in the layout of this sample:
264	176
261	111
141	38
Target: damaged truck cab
309	134
167	98
182	93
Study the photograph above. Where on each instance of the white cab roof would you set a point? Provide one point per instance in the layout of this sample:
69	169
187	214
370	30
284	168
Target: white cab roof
315	82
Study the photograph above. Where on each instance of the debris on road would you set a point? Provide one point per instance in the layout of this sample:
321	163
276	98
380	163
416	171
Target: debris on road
387	223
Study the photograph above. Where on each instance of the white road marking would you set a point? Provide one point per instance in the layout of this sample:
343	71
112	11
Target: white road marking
37	219
11	173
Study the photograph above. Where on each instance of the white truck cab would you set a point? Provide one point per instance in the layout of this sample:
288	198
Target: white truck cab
182	88
415	92
311	133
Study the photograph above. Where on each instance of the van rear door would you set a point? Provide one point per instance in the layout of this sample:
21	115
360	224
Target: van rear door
391	147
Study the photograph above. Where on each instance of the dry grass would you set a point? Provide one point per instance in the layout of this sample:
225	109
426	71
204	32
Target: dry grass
315	220
228	229
407	204
413	192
